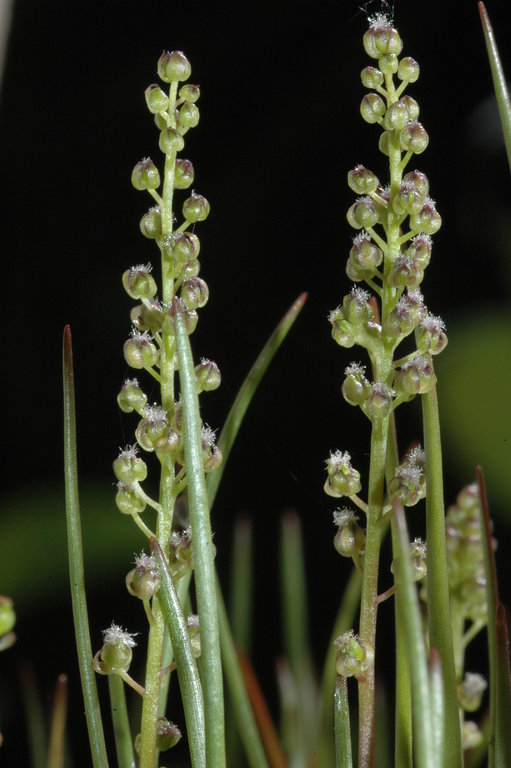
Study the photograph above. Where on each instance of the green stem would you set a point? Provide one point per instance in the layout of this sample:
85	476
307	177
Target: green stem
120	720
203	552
369	602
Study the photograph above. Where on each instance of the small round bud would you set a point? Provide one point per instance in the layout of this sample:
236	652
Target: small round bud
139	283
7	615
417	561
167	734
431	336
150	223
379	403
207	376
156	99
131	398
189	93
153	432
362	181
396	117
372	108
129	467
412	107
194	293
408	69
144	580
343	479
399	322
470	691
427	220
355	387
170	140
147	316
195	208
173	67
193	626
145	175
415	377
354	657
139	351
407	200
384	143
408	484
357	307
180	553
187	117
388	64
342	330
350	539
116	653
371	77
211	453
128	501
405	272
183	247
365	257
419	250
184	174
471	735
381	38
363	213
414	138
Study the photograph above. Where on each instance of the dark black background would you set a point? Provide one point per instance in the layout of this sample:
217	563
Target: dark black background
279	129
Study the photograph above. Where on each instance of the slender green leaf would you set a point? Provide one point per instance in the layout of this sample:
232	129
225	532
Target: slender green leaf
57	743
203	552
439	613
242	708
499	80
189	681
34	717
247	390
76	571
343	750
503	692
121	724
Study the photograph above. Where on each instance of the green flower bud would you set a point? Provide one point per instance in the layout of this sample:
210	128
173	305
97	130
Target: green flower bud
342	330
396	117
129	467
150	223
343	479
180	553
384	142
408	485
195	208
189	93
363	213
355	387
139	283
405	272
470	691
191	269
388	64
362	181
371	77
147	316
354	657
144	580
184	174
187	117
399	322
7	616
194	293
145	175
431	336
365	257
350	539
419	250
167	734
379	403
415	377
357	308
427	220
408	69
381	38
156	99
116	653
153	432
182	247
417	561
173	67
408	199
207	376
211	453
139	351
471	735
372	108
170	140
412	107
128	501
131	398
414	138
415	303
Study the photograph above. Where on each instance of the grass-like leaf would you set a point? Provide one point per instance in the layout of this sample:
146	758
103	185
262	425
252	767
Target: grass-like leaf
343	750
57	743
247	390
499	81
189	681
205	583
120	721
76	571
